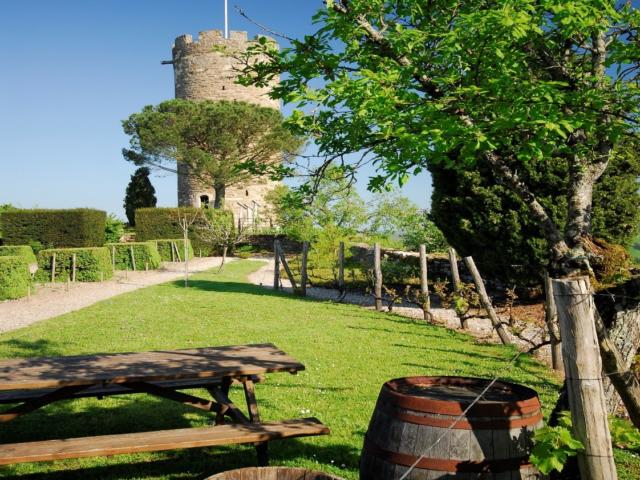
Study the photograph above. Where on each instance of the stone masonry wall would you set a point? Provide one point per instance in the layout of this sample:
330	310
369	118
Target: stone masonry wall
204	70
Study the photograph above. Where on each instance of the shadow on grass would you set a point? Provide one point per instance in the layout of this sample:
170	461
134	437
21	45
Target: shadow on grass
36	348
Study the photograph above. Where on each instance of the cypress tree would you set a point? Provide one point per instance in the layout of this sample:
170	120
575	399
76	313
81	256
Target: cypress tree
140	194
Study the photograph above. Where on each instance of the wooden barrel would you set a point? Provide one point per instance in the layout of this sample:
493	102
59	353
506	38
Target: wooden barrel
421	421
273	473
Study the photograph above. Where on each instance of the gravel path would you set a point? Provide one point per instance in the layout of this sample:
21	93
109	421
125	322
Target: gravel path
53	300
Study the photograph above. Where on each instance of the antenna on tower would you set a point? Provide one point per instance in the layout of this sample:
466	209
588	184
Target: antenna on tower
226	19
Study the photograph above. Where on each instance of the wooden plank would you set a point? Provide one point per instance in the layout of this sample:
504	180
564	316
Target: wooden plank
133	258
304	279
232	361
227	407
276	267
185	399
41	401
377	273
287	270
424	284
455	274
486	301
551	319
158	440
16	396
583	369
252	404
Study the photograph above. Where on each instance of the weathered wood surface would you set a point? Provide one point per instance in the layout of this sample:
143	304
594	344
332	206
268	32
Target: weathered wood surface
424	283
583	370
551	319
276	267
158	440
237	360
273	473
486	301
304	277
455	273
417	419
287	270
377	273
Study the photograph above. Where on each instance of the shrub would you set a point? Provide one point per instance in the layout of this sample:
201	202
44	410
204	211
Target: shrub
113	229
24	251
15	278
7	207
54	228
145	253
167	251
92	264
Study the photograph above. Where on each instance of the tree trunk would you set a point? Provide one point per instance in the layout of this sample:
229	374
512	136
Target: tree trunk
224	257
220	191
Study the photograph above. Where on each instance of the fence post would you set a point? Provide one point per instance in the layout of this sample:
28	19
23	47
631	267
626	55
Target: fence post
73	267
486	301
455	274
303	269
113	256
133	258
341	284
583	369
424	284
276	268
377	271
287	270
551	319
53	268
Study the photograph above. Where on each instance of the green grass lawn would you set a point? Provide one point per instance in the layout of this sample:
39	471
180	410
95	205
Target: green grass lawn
348	351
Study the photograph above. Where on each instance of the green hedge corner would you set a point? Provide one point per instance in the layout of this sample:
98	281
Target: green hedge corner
15	279
92	264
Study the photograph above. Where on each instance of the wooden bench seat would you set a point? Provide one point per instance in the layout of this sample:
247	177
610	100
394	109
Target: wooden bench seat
158	440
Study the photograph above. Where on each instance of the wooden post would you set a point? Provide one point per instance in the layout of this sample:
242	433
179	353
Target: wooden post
486	301
113	256
173	253
377	271
276	267
287	270
583	369
455	274
303	269
424	284
74	260
551	319
341	284
53	268
133	258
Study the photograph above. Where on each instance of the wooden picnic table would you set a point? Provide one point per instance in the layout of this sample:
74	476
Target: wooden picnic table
33	383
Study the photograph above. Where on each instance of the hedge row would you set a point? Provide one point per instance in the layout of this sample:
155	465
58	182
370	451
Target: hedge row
15	279
24	251
167	249
92	264
54	228
153	223
145	254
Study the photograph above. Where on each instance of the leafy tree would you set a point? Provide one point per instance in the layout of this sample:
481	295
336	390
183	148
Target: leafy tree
393	216
474	211
211	138
140	194
113	229
511	85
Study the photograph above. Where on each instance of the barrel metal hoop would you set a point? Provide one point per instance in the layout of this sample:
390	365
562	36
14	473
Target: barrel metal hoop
448	407
445	465
463	423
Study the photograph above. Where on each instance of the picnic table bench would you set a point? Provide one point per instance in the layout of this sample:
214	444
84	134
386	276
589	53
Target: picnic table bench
33	383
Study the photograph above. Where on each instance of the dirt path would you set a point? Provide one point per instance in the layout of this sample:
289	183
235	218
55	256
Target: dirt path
53	300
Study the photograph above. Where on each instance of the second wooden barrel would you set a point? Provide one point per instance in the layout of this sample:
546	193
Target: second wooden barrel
426	422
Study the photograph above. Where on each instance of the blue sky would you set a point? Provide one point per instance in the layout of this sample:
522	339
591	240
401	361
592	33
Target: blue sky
71	70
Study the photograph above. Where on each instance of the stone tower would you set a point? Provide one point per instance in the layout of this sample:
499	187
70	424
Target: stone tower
204	70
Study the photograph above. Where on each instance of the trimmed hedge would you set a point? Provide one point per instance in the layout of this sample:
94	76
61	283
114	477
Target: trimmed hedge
15	279
153	223
81	227
24	251
167	252
145	253
92	264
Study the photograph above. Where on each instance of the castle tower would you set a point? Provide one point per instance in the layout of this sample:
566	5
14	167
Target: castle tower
204	70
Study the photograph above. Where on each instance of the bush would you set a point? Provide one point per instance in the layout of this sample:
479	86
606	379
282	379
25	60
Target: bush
7	207
15	279
145	253
113	229
154	223
92	264
23	251
167	251
54	228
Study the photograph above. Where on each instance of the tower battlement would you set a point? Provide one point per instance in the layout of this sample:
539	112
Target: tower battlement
210	39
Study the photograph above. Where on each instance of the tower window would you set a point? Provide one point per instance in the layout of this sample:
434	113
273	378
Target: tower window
204	201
